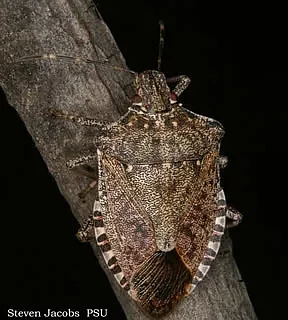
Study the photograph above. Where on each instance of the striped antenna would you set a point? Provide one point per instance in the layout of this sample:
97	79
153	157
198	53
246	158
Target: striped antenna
161	44
53	56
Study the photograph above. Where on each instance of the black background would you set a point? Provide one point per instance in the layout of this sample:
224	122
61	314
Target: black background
237	58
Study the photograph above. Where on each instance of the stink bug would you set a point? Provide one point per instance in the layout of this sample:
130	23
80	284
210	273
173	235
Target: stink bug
160	211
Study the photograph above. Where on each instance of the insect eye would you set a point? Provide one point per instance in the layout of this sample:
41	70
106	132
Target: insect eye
173	97
137	100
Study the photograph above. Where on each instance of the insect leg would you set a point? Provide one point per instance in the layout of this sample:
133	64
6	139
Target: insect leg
83	160
79	165
86	232
92	185
234	217
75	118
182	83
73	163
223	161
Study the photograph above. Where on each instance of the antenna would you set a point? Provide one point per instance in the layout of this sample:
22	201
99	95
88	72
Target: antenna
161	44
71	59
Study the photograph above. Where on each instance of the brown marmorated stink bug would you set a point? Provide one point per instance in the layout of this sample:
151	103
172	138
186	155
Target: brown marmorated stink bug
160	211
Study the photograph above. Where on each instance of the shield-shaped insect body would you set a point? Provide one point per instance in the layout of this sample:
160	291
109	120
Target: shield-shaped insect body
160	210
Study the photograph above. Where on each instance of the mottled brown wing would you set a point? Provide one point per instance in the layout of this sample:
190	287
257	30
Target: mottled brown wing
194	235
197	227
128	228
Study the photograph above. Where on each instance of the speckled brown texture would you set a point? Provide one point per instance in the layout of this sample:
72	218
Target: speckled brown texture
34	27
158	191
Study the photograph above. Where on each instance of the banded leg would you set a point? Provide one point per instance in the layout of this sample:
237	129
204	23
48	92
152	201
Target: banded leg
86	232
81	161
182	83
234	217
61	114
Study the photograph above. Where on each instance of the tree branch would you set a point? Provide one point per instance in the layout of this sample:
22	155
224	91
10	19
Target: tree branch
68	27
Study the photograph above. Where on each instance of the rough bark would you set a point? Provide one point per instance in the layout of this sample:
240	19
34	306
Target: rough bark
69	28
